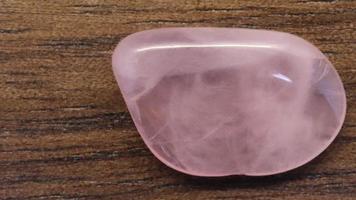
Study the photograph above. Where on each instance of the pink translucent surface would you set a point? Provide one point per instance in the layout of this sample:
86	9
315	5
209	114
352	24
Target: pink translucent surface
217	102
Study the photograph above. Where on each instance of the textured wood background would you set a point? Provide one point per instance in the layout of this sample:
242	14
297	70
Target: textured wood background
65	132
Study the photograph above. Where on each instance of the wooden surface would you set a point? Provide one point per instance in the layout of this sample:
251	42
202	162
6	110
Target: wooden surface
65	132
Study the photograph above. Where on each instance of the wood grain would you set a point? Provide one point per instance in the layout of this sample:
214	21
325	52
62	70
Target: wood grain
65	132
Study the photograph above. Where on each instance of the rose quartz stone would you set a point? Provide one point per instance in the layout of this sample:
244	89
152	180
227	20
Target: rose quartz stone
219	101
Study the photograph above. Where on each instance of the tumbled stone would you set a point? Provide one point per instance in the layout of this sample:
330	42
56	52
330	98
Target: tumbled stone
217	102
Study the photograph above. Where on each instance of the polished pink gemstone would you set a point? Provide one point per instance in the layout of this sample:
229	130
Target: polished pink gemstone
218	101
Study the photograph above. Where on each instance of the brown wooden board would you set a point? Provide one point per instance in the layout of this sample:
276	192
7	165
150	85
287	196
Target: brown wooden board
65	132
